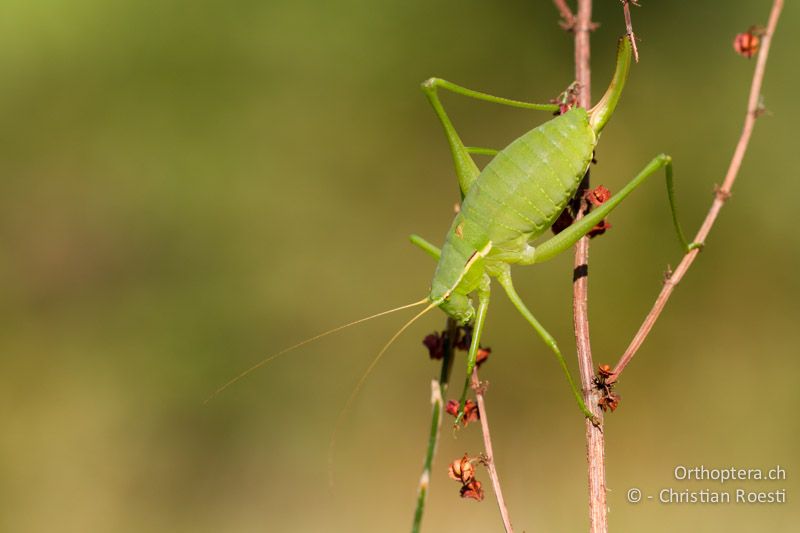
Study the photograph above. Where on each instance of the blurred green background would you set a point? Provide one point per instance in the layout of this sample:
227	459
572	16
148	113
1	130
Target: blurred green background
188	186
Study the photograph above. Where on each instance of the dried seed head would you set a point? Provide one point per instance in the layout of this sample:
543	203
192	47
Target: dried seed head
746	44
462	470
603	226
452	407
598	195
464	338
482	355
610	401
471	413
568	99
435	344
472	490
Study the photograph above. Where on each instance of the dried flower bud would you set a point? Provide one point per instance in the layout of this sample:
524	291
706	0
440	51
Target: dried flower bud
604	371
482	355
471	413
568	99
598	195
452	407
464	338
746	44
610	401
472	490
462	470
435	345
603	226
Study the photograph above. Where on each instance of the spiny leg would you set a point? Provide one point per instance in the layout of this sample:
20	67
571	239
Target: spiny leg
466	169
472	356
568	237
505	281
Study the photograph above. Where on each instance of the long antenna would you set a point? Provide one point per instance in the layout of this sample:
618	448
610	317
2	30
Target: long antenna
361	382
307	341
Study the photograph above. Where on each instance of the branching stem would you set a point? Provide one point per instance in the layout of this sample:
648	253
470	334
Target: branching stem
567	16
721	196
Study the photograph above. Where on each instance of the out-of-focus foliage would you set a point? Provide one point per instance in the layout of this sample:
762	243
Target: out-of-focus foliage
187	186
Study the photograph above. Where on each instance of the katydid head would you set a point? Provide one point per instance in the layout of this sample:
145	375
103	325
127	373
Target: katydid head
451	285
601	113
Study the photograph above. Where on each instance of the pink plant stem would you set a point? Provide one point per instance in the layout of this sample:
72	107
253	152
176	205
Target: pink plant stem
487	445
595	443
626	9
568	22
721	196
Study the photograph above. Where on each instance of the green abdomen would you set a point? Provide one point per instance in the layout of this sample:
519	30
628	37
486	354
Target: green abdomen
520	193
527	185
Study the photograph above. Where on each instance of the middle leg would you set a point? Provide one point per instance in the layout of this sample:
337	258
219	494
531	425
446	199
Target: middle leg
505	281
